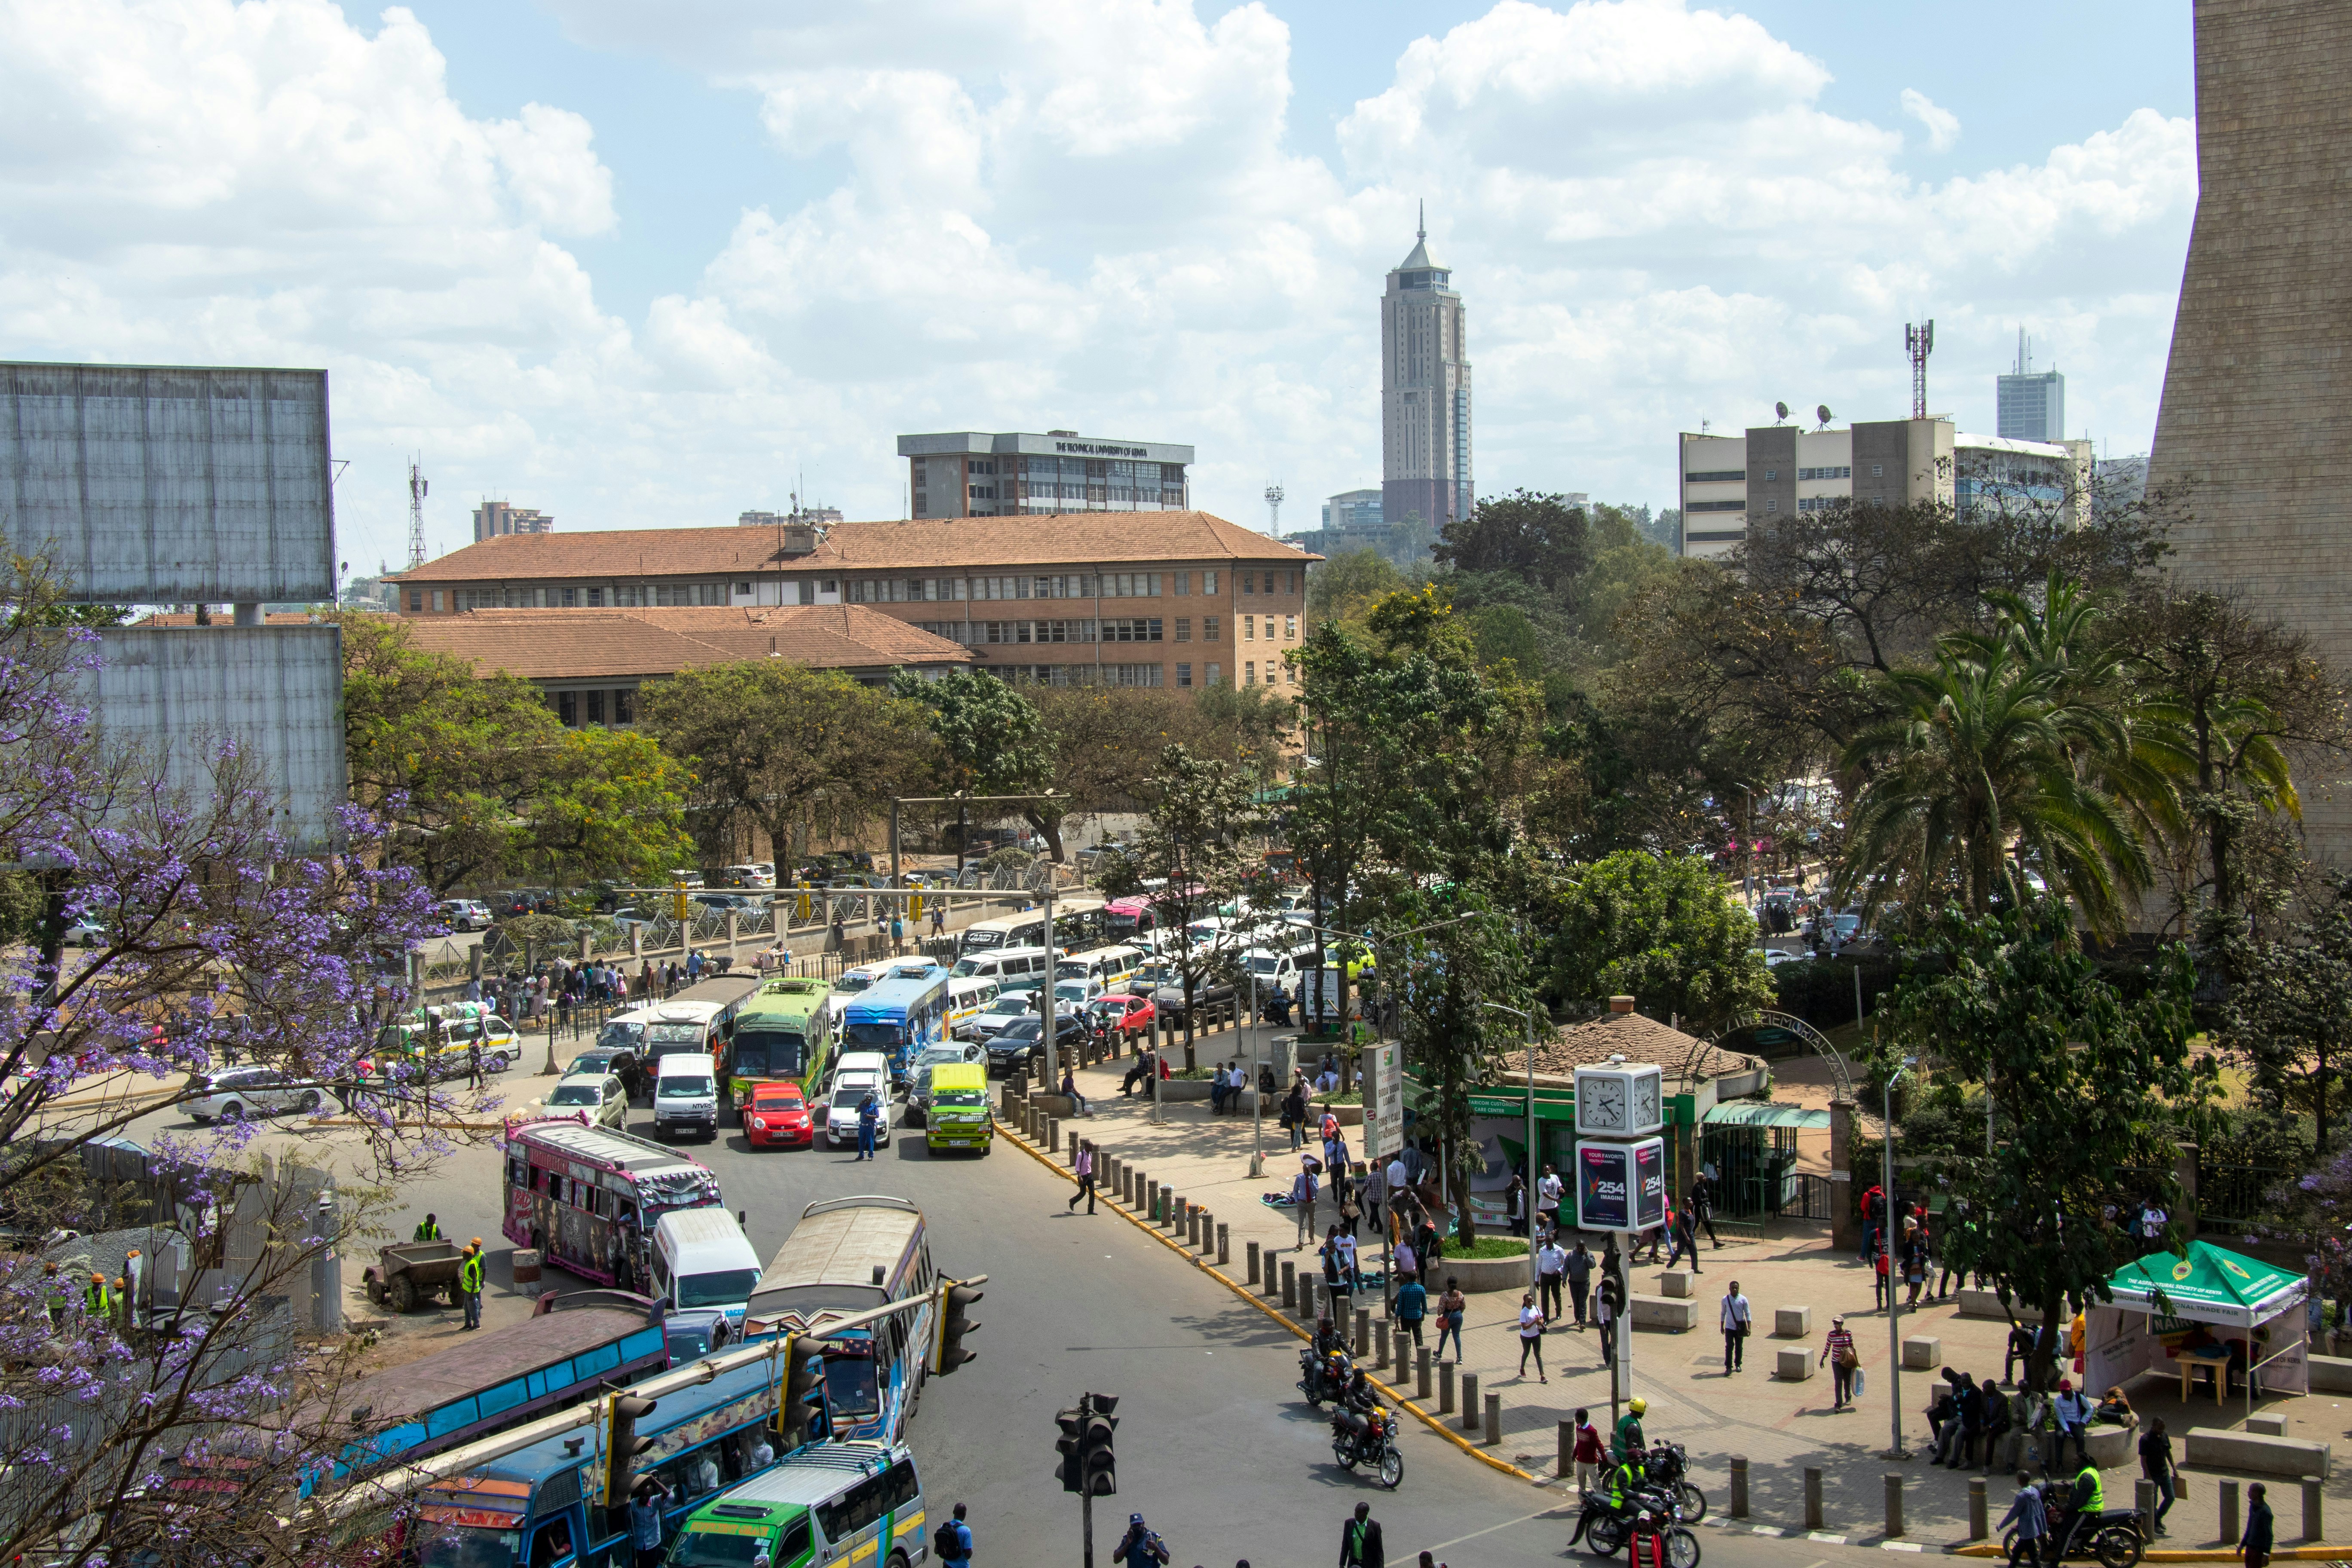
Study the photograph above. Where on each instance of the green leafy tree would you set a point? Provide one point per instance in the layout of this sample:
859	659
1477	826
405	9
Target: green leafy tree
1544	537
477	778
798	753
2087	1085
2289	1012
1343	587
992	741
1198	842
1661	929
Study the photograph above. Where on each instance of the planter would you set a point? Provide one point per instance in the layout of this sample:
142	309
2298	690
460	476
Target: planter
1348	1115
1478	1276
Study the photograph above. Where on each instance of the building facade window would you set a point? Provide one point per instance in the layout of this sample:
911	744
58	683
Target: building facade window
1249	672
1183	629
1249	582
1184	674
1290	628
1877	471
1139	629
808	591
595	708
1208	628
1835	473
1130	585
1212	675
625	707
1249	628
1209	585
1184	585
416	600
567	708
437	600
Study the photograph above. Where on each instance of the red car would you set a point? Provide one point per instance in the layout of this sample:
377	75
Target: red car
777	1118
1128	1016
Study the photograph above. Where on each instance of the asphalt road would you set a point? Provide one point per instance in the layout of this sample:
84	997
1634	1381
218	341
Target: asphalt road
1215	1447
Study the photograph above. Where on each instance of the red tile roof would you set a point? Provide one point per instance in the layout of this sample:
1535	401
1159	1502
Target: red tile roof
1640	1040
564	645
975	543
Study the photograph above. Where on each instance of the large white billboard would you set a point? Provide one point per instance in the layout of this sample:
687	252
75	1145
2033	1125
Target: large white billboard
160	485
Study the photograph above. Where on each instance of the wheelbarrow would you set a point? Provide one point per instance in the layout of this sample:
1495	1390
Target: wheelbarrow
406	1272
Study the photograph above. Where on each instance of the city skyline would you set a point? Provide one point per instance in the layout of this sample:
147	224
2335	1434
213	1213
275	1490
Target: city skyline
642	278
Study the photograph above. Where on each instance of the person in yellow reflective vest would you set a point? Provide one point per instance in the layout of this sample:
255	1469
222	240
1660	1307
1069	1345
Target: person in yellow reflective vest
60	1296
98	1297
2088	1501
469	1283
428	1228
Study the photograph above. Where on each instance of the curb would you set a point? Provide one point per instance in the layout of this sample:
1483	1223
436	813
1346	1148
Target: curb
1435	1423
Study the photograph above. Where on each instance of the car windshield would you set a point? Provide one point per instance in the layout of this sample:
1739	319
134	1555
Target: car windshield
1022	1029
934	1054
1072	991
576	1094
704	1548
965	967
687	1341
719	1287
968	1096
1262	964
849	1091
621	1036
683	1086
775	1102
1010	1006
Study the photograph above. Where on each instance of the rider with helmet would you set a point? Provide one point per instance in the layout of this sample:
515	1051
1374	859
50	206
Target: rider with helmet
1628	1442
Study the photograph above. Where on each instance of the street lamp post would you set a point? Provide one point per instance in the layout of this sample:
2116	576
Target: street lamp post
1527	1198
1895	1450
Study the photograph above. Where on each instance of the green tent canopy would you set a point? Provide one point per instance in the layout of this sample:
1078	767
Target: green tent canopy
2211	1285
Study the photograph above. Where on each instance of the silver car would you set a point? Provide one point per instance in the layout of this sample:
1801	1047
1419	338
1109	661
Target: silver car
594	1101
242	1094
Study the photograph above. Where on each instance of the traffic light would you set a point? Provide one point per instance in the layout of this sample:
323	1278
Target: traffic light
949	1354
800	1414
1071	1446
1097	1465
622	1444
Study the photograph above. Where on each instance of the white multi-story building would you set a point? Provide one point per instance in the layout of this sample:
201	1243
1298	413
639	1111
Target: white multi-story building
1731	484
973	473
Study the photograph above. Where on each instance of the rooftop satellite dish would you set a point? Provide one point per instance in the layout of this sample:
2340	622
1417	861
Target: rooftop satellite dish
1781	409
1824	411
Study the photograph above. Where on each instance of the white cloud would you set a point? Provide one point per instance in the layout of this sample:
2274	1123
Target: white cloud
1943	125
1083	212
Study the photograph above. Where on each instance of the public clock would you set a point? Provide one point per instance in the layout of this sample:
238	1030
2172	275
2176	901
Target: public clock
1624	1100
1600	1103
1648	1111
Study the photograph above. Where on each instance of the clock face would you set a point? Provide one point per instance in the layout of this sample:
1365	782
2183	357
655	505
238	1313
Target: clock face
1602	1103
1645	1101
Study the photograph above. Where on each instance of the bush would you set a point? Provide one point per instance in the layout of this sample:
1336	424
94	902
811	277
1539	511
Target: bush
1821	990
1486	1246
1008	859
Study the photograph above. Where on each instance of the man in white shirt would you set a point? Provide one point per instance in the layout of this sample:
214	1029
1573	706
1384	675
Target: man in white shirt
1547	1194
2151	1227
1736	1321
1552	1274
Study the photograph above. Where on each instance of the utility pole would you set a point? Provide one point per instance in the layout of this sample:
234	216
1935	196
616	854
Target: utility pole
1895	1450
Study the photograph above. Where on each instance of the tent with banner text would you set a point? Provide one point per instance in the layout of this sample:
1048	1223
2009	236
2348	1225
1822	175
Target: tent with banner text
2206	1304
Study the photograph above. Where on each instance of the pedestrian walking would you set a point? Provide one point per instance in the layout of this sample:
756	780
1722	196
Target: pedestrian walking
1580	1278
1686	1239
1839	1352
645	1521
1552	1274
1140	1547
1404	1260
1588	1454
1084	1168
939	917
1411	1306
1349	1270
474	1063
1531	1328
1359	1542
869	1118
1738	1319
1702	1207
1302	1203
2027	1512
2155	1464
469	1283
1330	1252
1450	1307
953	1541
1549	1189
2256	1542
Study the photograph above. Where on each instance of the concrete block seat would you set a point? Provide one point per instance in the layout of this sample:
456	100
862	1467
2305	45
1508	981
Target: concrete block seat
1794	1363
1662	1314
1792	1322
1922	1352
2229	1450
1678	1283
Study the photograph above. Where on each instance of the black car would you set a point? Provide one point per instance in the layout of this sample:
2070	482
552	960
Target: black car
1021	1046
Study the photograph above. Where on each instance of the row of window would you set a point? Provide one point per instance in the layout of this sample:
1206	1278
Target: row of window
865	590
1837	473
578	708
1090	674
1717	477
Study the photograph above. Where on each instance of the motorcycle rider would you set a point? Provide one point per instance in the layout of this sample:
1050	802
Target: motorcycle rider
2084	1506
1629	1442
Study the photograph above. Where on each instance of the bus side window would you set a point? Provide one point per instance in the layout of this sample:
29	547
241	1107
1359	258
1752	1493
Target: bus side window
553	1544
900	1486
795	1542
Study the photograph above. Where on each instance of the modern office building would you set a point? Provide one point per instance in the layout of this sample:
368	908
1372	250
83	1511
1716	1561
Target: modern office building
1164	598
1733	484
493	518
972	473
1353	512
2030	404
1425	470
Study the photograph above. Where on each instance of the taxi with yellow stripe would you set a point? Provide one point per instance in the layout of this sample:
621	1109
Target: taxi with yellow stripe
859	1503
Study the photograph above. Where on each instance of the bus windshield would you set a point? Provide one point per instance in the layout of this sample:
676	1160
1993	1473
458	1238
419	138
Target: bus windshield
469	1546
660	1035
980	937
620	1035
873	1035
720	1288
765	1051
702	1549
849	1384
851	983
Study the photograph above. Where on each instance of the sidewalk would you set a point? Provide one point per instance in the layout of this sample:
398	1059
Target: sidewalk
1781	1428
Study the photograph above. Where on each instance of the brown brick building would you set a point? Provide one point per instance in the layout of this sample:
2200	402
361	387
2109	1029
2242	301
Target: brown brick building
1163	598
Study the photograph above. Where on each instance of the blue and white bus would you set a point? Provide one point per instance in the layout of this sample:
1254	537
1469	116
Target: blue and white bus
846	1255
902	1011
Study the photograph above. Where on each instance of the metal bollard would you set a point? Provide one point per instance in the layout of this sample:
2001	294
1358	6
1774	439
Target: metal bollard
2229	1513
1251	1255
1445	1388
2311	1514
1979	1525
1052	1134
2143	1504
1813	1497
1150	1197
1894	1505
1193	1225
1567	1461
1738	1474
1225	1244
1469	1401
1381	1345
1289	1285
1421	1373
1494	1419
1363	1334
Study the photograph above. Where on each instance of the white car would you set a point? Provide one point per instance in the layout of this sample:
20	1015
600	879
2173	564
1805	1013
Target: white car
464	914
592	1103
241	1094
997	1016
849	1088
850	983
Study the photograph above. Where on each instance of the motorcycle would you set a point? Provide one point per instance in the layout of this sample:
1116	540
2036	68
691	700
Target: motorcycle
1366	1437
1666	1465
1323	1377
2113	1541
1605	1530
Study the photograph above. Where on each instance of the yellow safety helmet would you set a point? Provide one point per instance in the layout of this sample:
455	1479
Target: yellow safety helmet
1637	1404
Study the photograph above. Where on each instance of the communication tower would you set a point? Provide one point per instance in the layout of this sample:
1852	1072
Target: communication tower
1919	342
1274	510
418	486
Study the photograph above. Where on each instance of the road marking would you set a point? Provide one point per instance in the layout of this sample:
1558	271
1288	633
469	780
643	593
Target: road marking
1507	1524
1825	1562
1900	1546
1825	1540
1769	1529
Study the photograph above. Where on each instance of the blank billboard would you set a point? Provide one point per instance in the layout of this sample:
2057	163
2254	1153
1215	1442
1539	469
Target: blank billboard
170	485
277	690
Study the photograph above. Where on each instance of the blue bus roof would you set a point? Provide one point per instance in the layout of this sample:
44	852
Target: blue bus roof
885	1001
671	1411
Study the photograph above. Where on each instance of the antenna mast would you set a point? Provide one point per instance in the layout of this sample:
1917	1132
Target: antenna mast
418	486
1274	509
1919	342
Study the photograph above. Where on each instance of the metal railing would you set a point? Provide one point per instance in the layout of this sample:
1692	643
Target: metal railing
2235	1196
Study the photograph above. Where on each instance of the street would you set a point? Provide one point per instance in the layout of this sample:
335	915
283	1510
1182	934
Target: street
1215	1447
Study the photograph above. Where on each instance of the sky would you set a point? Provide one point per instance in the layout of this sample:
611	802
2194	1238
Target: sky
643	266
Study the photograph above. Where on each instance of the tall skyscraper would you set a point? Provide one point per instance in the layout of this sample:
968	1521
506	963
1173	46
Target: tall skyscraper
2029	406
1425	393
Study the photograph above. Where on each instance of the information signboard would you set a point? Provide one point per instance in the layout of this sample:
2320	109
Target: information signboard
1620	1186
1384	1074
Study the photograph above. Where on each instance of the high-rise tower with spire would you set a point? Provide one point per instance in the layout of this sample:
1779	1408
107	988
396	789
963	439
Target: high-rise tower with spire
1424	393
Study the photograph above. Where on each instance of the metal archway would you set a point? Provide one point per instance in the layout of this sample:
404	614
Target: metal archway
1815	1041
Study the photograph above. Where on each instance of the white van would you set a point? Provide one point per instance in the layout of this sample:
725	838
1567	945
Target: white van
1110	967
701	1260
849	983
855	1075
1013	970
685	1094
1272	971
968	997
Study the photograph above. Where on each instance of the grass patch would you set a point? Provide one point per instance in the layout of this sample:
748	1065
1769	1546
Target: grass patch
1487	1246
1353	1097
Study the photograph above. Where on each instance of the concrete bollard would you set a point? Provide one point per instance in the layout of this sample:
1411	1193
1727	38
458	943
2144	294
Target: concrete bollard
1738	1474
1567	1460
1251	1255
2144	1504
1381	1345
1980	1521
1813	1497
1494	1419
1421	1373
1208	1233
2311	1520
1469	1401
1289	1285
1894	1505
2229	1514
1445	1388
1363	1334
1150	1197
1052	1134
1273	1276
1192	1228
1225	1244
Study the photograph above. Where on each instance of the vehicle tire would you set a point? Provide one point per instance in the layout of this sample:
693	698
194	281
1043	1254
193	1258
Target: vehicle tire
1605	1536
377	1294
310	1102
2009	1545
232	1111
898	1559
2117	1546
1344	1453
1682	1548
495	1062
1391	1467
403	1293
1691	1500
